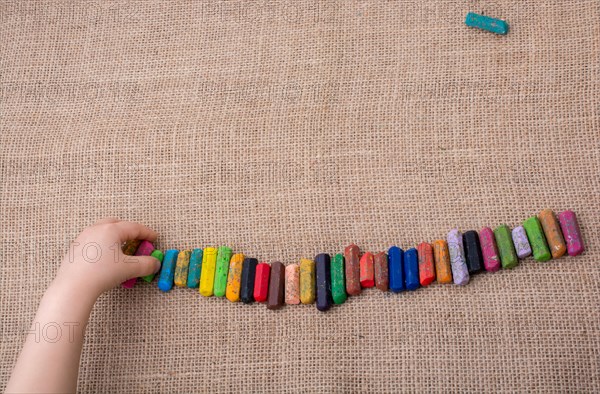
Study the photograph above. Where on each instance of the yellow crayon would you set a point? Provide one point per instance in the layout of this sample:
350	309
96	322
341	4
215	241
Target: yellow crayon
207	277
234	278
181	268
307	281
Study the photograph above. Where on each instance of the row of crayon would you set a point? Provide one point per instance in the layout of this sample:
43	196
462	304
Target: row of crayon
326	281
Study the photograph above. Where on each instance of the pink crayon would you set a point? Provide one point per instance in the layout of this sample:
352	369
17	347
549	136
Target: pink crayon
491	259
571	232
145	249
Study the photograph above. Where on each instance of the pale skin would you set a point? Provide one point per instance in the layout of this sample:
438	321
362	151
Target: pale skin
49	362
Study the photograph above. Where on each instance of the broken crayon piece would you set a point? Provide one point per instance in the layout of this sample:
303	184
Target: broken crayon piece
441	256
158	255
483	22
537	240
145	248
396	269
129	249
323	281
248	278
352	267
167	271
307	281
460	272
553	233
338	284
411	269
472	251
222	269
207	276
181	268
195	268
380	268
261	282
292	284
508	256
234	277
367	274
426	266
571	232
275	299
522	247
489	250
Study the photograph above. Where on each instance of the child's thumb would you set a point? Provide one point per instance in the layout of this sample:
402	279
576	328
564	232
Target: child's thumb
142	266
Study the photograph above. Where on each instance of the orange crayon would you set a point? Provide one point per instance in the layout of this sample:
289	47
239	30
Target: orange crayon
441	256
553	233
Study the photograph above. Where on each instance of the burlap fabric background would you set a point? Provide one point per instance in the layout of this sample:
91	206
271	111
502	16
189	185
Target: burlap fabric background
288	128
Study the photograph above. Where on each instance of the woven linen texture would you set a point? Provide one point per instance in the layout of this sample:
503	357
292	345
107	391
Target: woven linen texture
288	128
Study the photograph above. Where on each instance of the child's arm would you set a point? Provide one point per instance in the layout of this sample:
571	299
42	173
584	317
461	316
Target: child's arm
49	361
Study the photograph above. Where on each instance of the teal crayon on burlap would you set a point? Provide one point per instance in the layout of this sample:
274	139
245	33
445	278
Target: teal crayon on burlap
167	272
338	282
506	249
483	22
195	269
157	254
223	258
537	239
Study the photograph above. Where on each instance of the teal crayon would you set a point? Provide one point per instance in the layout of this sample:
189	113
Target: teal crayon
167	272
195	269
483	22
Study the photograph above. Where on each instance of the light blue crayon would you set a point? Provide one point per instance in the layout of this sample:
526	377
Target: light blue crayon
167	272
195	269
494	25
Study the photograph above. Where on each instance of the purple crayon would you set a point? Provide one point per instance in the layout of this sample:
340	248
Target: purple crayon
460	272
521	242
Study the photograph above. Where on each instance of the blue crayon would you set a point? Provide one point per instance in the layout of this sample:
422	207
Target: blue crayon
195	269
167	272
411	269
483	22
248	277
323	268
396	271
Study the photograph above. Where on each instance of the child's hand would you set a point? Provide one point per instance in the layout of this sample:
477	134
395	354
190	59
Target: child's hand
95	262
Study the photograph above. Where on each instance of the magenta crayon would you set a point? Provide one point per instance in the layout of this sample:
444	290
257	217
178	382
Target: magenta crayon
489	249
145	249
571	232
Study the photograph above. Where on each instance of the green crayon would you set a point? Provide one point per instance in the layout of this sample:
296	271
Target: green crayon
508	256
157	254
537	239
223	257
338	283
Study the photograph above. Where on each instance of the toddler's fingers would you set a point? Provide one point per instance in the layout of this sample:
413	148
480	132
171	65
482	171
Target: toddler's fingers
141	266
107	220
132	230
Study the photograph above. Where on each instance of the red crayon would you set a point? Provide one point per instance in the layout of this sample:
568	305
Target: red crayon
261	282
367	275
426	266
